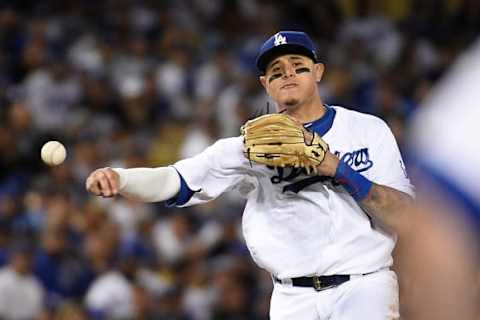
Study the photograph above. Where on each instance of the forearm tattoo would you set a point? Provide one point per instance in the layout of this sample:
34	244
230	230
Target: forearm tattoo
386	204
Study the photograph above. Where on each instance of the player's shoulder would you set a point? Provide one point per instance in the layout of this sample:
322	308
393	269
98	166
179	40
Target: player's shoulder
230	143
353	115
362	121
231	147
227	152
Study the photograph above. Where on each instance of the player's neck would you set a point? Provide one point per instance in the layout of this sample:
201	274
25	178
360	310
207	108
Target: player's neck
307	112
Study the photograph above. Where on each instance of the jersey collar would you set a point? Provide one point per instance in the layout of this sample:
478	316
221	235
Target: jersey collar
322	125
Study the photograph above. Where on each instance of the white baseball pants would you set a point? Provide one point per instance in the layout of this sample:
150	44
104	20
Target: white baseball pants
370	297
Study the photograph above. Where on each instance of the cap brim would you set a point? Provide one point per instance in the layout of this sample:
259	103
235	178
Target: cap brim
268	56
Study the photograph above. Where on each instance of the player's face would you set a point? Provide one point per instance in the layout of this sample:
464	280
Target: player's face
291	80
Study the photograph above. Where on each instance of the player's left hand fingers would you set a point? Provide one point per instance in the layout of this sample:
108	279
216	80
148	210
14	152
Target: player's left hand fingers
104	184
113	180
92	186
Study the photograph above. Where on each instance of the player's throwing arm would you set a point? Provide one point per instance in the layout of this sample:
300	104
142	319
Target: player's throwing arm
141	184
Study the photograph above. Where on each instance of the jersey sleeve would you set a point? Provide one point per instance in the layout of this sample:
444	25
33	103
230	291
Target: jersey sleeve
219	168
388	167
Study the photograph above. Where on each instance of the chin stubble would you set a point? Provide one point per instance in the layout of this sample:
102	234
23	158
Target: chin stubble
291	102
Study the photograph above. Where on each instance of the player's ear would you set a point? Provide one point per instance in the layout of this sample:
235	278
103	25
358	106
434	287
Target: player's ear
318	68
263	81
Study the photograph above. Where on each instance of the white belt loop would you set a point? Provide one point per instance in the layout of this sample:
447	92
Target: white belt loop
287	281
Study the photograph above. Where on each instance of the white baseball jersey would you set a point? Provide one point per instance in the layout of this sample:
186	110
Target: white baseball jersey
299	225
446	131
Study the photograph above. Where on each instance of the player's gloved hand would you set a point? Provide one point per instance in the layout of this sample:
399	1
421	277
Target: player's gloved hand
103	182
279	140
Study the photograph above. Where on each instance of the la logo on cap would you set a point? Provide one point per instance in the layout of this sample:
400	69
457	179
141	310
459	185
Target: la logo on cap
279	39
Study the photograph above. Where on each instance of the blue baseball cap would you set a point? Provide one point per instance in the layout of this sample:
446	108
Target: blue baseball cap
285	42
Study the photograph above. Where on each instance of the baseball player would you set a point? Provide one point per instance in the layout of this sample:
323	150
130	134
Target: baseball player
442	263
322	224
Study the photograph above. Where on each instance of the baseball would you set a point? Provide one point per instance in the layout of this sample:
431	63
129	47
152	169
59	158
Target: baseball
53	153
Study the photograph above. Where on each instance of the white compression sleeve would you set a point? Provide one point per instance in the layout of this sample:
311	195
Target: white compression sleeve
149	184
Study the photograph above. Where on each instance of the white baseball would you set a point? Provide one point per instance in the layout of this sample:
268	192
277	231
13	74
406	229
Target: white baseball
53	153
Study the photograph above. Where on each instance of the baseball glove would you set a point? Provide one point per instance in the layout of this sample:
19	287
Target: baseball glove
278	140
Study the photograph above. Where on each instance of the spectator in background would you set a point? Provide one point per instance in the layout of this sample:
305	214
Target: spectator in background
5	237
110	295
199	136
237	102
126	289
210	78
440	267
173	237
21	294
52	95
61	271
199	295
18	143
173	76
70	311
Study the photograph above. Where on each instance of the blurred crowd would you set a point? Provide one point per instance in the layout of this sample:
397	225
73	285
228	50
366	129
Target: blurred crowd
128	83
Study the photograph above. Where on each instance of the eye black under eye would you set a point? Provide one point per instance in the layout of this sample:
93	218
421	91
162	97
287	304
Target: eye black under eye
302	70
274	76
